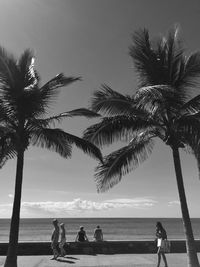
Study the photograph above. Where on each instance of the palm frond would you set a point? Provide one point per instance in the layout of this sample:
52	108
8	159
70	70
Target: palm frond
8	152
34	101
26	69
163	62
173	50
192	106
175	62
9	73
6	114
86	146
25	61
49	90
7	145
61	142
157	97
34	123
191	70
189	130
80	112
116	128
122	161
146	61
52	139
111	102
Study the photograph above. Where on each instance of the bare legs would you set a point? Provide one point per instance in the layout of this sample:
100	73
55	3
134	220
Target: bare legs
159	258
55	251
62	251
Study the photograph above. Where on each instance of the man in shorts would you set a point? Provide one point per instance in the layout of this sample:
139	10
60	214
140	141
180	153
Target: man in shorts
54	239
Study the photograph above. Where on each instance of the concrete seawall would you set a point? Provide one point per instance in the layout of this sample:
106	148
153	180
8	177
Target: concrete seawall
92	248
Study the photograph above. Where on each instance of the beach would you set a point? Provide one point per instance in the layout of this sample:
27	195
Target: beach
117	260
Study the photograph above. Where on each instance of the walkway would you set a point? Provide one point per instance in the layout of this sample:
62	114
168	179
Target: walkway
117	260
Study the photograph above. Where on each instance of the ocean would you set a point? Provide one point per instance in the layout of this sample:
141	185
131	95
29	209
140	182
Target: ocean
113	228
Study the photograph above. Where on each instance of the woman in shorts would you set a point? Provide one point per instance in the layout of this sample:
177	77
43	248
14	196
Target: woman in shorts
160	235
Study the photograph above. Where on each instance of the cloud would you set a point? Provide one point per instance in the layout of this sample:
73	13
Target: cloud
77	206
81	206
10	195
173	202
5	210
136	202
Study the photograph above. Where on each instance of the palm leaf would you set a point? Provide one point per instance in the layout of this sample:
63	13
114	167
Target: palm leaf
80	112
122	161
6	114
189	129
35	100
7	145
192	70
61	142
8	152
26	69
52	139
25	61
49	90
116	128
111	102
192	106
157	97
86	146
9	74
174	52
34	123
163	62
146	60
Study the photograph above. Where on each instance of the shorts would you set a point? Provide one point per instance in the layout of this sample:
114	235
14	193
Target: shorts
54	245
62	243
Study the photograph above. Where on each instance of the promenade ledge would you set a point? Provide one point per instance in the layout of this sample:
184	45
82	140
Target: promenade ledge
93	248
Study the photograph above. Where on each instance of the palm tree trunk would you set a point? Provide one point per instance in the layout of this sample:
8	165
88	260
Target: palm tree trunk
11	259
190	242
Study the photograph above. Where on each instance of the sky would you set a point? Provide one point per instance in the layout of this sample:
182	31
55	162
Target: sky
91	39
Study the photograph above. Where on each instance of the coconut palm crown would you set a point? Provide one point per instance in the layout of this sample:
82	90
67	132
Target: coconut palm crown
162	107
24	121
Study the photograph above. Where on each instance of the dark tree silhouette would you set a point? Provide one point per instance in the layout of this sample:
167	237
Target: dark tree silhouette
23	122
161	108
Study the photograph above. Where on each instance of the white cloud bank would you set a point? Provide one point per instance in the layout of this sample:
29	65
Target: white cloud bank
75	207
173	202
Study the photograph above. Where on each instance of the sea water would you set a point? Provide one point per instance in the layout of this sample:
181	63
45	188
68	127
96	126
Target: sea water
113	228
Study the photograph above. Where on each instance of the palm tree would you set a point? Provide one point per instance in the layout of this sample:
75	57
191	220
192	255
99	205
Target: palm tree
23	122
160	108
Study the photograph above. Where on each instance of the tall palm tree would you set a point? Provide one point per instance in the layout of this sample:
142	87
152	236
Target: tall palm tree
23	121
160	108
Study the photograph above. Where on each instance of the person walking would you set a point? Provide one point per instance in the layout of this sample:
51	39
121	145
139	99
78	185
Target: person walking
62	240
98	234
81	235
54	239
161	235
